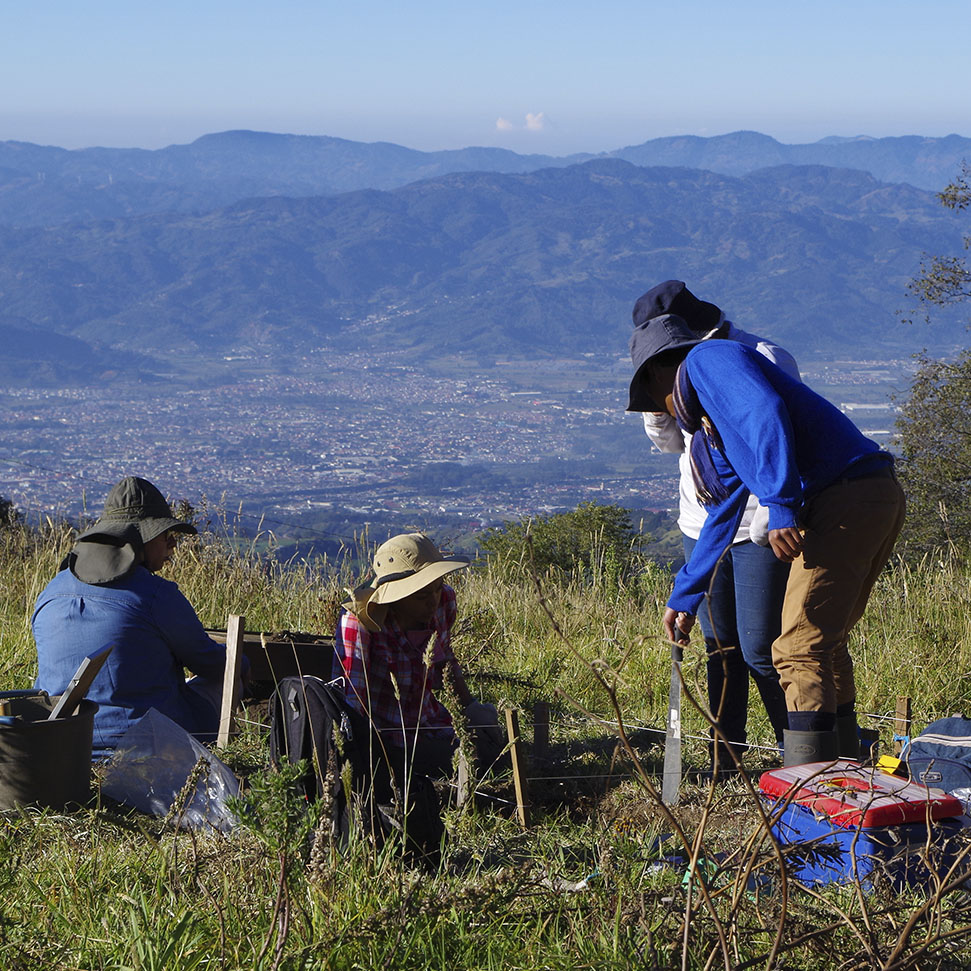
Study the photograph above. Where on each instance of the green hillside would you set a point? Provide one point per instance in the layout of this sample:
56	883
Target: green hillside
584	887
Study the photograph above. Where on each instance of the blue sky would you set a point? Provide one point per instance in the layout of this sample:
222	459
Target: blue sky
530	76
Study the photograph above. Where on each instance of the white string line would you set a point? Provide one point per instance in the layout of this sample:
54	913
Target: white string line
754	746
574	778
885	718
486	795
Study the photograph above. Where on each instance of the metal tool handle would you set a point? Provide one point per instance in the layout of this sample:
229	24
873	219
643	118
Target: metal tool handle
671	777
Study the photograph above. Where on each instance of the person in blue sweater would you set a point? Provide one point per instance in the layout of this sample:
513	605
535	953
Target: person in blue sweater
107	593
834	512
743	607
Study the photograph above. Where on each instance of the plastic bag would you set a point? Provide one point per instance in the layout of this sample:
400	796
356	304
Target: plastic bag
153	762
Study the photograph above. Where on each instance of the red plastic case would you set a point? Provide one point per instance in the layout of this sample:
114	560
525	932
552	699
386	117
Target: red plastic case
853	795
842	821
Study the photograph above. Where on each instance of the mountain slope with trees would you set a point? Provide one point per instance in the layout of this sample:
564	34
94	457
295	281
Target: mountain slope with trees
539	264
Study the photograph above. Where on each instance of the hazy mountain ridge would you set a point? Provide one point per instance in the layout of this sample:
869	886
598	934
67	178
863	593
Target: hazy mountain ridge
42	185
928	163
543	263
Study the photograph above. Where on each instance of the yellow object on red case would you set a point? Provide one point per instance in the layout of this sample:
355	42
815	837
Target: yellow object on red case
892	765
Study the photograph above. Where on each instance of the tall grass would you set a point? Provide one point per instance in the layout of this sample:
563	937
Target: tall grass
916	639
590	885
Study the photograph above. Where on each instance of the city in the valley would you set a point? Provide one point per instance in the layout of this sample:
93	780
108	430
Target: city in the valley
344	439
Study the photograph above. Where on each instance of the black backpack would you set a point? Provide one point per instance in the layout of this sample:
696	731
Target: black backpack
310	720
941	756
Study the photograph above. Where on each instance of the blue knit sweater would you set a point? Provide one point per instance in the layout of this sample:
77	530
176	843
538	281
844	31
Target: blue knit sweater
780	441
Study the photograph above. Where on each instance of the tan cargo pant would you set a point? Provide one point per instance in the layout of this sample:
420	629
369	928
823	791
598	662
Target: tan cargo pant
850	529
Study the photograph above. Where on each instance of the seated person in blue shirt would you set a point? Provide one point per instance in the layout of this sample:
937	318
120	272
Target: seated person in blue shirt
107	593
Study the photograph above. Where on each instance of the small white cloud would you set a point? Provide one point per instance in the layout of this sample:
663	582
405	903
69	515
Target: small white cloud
532	122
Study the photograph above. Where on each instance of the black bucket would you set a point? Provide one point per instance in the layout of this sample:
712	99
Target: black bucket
45	763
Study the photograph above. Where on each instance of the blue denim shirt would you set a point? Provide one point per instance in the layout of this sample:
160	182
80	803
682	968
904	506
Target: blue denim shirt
155	633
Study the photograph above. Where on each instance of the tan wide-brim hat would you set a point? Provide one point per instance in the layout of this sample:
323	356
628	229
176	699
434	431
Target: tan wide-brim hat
402	566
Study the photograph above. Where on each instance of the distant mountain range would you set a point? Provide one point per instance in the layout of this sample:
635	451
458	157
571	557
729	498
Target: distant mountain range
927	163
42	185
536	264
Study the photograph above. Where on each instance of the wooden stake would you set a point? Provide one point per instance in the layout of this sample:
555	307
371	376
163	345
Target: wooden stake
901	723
518	766
234	658
541	729
462	782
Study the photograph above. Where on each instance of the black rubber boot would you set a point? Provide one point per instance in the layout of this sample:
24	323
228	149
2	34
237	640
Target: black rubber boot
848	737
803	747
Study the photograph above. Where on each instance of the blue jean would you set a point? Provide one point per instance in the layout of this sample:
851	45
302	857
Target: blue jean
740	618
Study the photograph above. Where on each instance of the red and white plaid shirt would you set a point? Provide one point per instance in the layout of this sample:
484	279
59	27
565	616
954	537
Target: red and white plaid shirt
386	676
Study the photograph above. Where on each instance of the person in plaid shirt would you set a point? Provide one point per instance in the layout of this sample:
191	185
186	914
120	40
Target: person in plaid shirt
394	644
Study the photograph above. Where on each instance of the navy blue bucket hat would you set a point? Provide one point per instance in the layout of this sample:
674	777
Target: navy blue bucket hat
673	297
667	317
650	340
